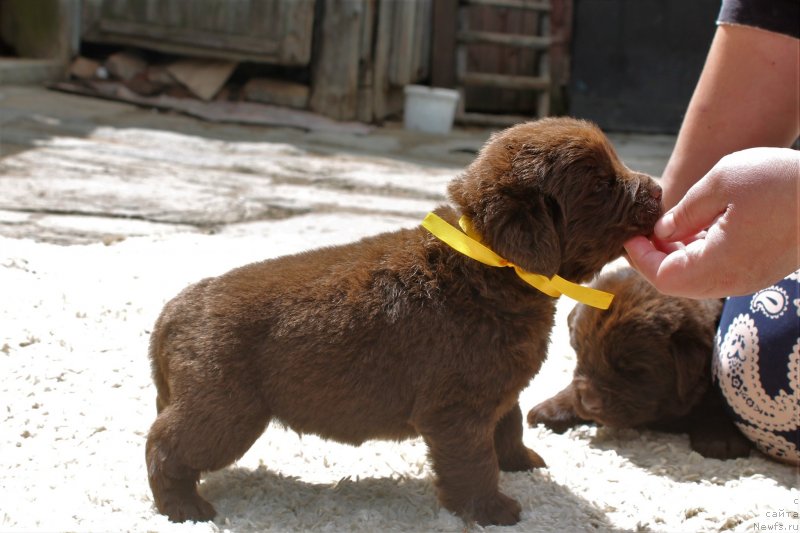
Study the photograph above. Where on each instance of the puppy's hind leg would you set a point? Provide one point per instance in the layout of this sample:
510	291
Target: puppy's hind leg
204	434
512	454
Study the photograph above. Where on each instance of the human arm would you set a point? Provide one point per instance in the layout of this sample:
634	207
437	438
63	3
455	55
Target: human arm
746	97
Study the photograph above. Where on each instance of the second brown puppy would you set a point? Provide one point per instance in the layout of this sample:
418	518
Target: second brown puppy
646	362
397	335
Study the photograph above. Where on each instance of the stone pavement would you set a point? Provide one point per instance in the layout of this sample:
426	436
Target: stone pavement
77	170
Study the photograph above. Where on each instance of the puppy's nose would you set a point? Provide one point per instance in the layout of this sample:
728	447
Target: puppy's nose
655	192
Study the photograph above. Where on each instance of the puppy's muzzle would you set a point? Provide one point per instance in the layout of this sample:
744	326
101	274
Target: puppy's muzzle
587	402
647	197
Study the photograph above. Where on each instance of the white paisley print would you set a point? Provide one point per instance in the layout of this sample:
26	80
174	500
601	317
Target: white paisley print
757	367
772	302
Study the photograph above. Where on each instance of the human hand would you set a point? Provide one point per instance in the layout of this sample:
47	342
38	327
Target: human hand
733	233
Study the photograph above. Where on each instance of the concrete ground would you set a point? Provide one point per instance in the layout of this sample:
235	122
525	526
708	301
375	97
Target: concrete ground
78	170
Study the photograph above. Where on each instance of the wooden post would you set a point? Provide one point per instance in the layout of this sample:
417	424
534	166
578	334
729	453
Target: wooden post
443	68
45	29
366	75
334	88
380	86
561	32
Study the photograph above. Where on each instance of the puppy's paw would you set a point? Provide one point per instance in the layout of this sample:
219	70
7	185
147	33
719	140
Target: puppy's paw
728	444
499	510
183	506
520	461
553	416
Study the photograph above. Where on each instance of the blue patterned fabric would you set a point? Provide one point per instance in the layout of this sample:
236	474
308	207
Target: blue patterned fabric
757	366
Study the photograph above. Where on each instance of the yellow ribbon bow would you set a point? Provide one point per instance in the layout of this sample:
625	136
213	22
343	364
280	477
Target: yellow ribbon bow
466	243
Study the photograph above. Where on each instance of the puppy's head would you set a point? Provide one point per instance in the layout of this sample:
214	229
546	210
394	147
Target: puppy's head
646	359
553	197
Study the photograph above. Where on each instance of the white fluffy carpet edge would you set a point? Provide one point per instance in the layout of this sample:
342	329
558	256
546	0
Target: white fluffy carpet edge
77	401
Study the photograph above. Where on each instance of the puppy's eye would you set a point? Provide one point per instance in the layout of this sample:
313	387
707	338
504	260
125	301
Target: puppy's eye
629	367
604	184
633	372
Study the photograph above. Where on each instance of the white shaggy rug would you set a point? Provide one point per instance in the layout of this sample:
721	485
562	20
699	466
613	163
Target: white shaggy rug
76	402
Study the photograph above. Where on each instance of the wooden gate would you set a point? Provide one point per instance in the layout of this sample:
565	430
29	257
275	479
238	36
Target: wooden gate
359	54
508	58
275	31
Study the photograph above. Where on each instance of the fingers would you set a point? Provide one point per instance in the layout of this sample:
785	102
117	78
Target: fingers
645	257
694	213
669	247
674	272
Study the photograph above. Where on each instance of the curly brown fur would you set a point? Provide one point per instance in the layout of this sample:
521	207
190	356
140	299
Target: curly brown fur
397	335
645	362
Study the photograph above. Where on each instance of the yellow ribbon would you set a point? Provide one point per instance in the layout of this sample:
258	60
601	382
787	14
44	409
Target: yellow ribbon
467	243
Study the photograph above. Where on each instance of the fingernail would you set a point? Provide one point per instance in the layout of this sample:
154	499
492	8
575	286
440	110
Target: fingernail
665	226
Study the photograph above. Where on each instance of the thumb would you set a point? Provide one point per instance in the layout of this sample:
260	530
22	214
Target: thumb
698	210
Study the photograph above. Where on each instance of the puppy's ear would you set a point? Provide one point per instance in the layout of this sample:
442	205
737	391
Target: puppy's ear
459	192
692	354
509	211
524	232
572	322
571	317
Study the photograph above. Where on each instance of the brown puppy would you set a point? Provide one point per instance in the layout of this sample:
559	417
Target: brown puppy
397	335
645	362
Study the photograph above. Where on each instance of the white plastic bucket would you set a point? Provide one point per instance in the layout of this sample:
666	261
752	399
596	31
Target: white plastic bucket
430	109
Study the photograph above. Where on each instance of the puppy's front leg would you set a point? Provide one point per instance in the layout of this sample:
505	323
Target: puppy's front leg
512	454
557	413
461	447
711	431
